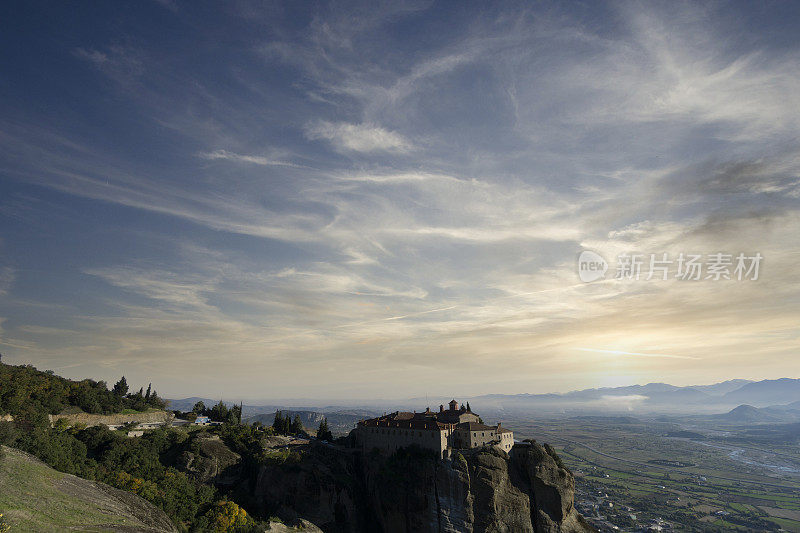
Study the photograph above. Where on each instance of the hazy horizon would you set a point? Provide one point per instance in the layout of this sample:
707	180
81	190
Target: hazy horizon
434	396
388	200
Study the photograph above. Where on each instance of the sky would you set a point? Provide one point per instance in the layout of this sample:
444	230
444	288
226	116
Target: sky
340	200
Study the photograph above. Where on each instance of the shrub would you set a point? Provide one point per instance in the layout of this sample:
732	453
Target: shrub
226	516
461	459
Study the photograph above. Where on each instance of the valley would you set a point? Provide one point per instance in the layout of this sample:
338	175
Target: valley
630	473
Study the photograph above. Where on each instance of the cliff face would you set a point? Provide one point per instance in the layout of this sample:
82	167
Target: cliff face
212	462
486	490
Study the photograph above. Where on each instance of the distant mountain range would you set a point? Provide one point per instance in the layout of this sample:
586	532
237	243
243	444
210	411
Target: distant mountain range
642	399
639	399
747	414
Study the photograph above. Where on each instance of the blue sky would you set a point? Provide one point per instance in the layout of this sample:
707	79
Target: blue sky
347	200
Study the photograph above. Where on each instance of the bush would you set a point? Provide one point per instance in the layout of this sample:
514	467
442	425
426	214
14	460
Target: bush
226	516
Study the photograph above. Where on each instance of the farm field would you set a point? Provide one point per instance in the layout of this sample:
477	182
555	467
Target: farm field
633	473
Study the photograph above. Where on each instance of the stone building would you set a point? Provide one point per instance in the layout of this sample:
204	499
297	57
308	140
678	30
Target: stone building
442	431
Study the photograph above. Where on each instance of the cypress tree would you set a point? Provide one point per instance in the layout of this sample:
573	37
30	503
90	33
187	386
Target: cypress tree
297	425
121	387
323	433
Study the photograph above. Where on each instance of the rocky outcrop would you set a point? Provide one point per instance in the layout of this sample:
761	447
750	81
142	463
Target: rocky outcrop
303	526
87	419
210	461
319	483
484	490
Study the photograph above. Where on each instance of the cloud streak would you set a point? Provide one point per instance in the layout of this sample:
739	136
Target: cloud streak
638	354
358	137
240	158
327	197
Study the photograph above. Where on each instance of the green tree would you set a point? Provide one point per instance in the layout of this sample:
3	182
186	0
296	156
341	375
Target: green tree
199	408
297	425
219	413
323	433
234	415
277	424
156	401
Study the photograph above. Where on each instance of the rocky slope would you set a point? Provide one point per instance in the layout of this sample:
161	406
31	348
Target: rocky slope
212	462
486	490
148	417
72	503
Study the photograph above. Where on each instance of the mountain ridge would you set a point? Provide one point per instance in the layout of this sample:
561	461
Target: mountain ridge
651	397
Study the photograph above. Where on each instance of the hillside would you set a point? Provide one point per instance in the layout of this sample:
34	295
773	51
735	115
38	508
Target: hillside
743	413
766	392
747	414
25	389
236	477
70	502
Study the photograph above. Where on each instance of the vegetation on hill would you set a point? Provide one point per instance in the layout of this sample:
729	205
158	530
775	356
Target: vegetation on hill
145	466
219	413
284	425
25	390
71	503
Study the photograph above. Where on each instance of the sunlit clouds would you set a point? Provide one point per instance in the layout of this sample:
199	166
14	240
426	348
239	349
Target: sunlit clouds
390	200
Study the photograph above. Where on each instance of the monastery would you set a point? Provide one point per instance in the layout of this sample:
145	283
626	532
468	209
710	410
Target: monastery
455	428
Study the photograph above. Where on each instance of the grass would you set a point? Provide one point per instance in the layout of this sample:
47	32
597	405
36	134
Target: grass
785	523
26	484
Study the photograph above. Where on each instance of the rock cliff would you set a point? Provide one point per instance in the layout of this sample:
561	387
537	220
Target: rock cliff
483	490
211	461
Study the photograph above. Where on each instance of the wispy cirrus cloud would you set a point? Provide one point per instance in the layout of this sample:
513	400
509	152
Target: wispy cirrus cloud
358	137
123	63
7	276
324	197
638	354
244	158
